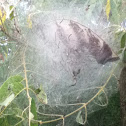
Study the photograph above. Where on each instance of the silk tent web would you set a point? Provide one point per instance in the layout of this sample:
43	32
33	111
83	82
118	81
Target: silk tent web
60	55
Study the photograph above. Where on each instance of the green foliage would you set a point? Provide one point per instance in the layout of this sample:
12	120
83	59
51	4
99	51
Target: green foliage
33	111
8	90
79	118
12	13
40	93
11	86
124	56
123	41
123	46
9	120
109	115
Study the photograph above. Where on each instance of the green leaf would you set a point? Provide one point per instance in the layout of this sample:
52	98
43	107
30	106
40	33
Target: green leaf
9	120
7	100
33	112
79	118
11	86
42	95
123	41
12	13
37	91
124	56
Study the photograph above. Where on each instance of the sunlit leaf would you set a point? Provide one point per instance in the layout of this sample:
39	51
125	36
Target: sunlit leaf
108	8
12	13
7	100
2	17
11	86
29	22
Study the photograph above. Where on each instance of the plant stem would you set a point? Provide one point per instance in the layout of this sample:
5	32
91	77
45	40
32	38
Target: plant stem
27	87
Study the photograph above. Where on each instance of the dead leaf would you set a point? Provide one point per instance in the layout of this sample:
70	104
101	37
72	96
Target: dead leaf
1	57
